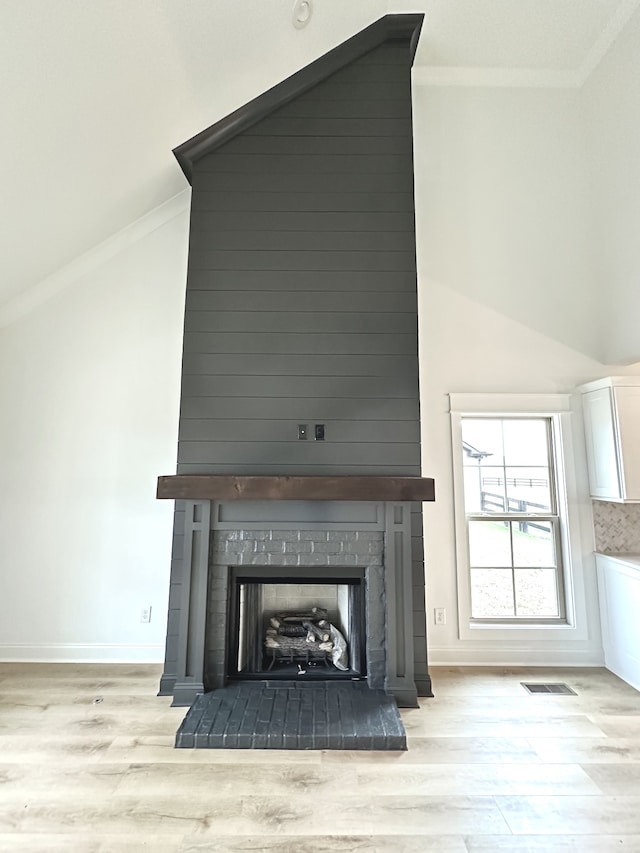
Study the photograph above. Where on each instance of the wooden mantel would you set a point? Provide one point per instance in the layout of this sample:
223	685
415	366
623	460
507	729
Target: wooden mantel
218	487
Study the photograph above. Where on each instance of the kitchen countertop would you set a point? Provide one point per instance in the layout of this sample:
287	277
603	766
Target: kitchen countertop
632	560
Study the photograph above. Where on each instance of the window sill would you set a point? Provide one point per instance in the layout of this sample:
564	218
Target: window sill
523	626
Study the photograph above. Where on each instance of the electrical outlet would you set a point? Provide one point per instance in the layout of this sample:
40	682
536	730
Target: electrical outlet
319	432
145	614
439	615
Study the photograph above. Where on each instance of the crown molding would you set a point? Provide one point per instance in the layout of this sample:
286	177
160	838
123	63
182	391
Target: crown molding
495	78
30	299
389	28
513	403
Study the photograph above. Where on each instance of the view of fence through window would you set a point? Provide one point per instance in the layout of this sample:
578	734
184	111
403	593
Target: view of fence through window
512	521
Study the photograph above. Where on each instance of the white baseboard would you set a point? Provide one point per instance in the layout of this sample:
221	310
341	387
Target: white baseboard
79	653
443	656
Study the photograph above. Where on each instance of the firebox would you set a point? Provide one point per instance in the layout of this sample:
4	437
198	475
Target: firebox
306	625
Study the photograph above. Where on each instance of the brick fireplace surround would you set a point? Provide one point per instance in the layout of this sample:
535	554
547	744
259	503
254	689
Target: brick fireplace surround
306	524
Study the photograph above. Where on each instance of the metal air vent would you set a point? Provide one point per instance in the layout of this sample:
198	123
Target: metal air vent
556	689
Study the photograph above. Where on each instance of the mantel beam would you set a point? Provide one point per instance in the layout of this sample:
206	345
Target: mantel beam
220	487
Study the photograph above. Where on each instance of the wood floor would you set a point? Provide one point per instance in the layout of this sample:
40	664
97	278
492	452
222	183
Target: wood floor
87	764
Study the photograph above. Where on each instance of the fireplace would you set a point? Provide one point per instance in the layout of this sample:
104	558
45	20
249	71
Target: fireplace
299	436
262	552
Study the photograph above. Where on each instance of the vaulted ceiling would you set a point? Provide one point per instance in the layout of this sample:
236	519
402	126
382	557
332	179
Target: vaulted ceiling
95	95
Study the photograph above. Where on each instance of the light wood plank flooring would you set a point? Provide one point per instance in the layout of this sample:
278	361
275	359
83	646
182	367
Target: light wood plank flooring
87	764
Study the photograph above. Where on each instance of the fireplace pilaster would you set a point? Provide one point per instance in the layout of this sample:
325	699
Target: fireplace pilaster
399	604
193	606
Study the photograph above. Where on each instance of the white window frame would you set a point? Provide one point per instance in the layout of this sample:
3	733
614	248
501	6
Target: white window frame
557	407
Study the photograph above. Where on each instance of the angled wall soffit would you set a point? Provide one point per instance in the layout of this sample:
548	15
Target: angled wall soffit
389	28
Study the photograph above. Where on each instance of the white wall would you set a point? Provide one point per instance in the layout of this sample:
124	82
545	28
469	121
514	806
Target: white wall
89	395
113	87
504	206
467	347
611	100
507	304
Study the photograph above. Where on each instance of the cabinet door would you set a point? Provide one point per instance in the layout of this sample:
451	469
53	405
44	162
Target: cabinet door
619	594
627	403
600	435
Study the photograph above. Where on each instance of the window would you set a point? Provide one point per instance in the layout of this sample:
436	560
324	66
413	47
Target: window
512	520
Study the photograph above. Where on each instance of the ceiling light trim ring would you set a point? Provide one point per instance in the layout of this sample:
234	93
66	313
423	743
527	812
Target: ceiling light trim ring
302	11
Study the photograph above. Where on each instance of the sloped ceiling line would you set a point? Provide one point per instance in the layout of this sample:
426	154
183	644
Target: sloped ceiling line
49	287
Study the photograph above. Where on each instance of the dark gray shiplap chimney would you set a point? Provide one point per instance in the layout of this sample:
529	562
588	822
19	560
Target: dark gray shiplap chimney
301	300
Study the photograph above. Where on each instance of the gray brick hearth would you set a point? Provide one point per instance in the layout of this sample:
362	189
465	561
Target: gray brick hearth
289	715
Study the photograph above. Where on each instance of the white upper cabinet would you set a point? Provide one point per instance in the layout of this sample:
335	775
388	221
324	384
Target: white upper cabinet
611	410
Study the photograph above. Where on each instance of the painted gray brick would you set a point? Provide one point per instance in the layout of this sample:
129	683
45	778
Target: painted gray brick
289	560
286	535
342	560
333	547
362	548
315	560
336	536
218	606
264	547
314	535
298	547
366	536
217	584
233	535
240	547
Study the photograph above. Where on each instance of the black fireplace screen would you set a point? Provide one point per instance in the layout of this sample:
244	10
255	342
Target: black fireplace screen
303	626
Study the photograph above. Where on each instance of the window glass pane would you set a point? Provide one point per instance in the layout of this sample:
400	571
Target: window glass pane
528	489
507	470
482	441
493	489
491	593
533	544
489	543
525	442
536	592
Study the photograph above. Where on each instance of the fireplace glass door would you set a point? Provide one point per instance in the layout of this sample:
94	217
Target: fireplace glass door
309	627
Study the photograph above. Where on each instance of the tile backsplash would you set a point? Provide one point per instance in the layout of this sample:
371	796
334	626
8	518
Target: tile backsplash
617	527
